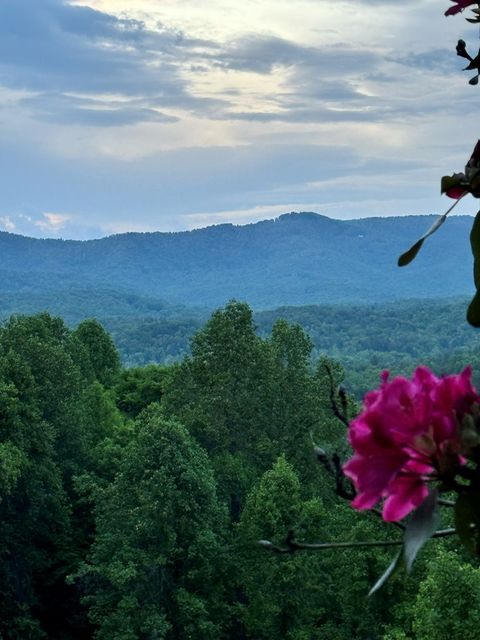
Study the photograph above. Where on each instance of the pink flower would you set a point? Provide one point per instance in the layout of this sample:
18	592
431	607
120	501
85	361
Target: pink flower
407	433
459	6
456	192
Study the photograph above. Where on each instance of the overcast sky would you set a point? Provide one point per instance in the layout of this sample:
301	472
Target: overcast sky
142	115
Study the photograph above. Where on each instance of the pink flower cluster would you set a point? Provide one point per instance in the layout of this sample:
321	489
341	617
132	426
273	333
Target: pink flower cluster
407	434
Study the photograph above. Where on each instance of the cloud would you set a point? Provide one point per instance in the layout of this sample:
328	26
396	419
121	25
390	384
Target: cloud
301	114
339	82
54	50
86	67
129	123
433	60
7	224
71	109
50	225
52	222
159	192
261	54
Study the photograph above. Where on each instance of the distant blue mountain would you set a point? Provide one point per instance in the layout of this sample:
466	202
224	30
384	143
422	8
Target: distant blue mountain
297	259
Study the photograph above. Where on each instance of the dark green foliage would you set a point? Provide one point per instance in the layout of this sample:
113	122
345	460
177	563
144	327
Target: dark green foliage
365	338
303	595
137	388
53	419
39	345
151	340
131	501
467	520
448	602
397	337
219	393
245	399
473	312
101	351
34	515
155	566
284	597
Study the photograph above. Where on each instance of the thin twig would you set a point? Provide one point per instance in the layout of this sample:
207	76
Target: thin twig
293	545
445	503
336	411
303	546
343	485
444	533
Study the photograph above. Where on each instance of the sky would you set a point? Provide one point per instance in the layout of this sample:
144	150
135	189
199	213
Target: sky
167	115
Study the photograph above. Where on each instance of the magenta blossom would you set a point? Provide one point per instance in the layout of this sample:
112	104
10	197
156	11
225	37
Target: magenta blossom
406	435
459	6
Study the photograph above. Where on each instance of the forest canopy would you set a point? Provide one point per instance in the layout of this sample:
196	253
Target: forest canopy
132	500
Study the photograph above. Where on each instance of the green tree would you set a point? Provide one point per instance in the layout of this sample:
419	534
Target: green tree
138	387
285	595
221	394
54	384
155	565
101	351
448	602
34	514
56	417
294	399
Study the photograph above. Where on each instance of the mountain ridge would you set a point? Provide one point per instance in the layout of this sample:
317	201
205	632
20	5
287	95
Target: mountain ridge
295	259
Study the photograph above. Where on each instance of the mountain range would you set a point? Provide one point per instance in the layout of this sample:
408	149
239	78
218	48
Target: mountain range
296	259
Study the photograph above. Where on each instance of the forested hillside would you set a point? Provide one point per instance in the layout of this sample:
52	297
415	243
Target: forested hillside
364	338
297	259
132	500
140	467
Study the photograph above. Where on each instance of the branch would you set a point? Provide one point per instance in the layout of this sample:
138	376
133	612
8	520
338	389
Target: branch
303	546
445	503
343	398
346	492
293	545
444	533
333	466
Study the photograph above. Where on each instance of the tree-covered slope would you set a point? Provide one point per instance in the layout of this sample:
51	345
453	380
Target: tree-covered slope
364	338
296	259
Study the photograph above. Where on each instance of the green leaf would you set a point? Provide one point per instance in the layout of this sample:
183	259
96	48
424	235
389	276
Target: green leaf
473	311
475	245
449	182
389	572
420	528
411	254
467	520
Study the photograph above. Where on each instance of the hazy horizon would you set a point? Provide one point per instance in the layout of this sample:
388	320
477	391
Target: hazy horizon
136	115
40	236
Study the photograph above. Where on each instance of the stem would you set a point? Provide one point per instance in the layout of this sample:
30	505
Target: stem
333	403
455	203
445	503
444	533
304	546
